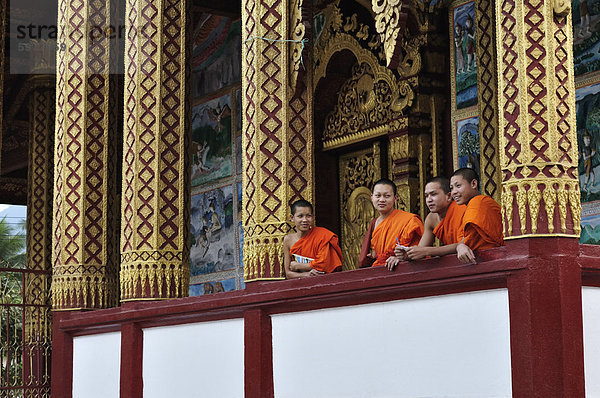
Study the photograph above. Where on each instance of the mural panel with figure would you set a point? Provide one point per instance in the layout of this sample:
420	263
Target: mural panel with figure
466	144
211	140
213	234
463	54
588	139
200	289
586	36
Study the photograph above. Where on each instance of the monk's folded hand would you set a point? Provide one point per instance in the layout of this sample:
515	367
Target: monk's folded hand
294	266
416	252
465	254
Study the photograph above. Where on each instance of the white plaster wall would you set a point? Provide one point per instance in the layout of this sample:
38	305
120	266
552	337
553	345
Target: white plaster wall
447	346
591	340
195	360
96	365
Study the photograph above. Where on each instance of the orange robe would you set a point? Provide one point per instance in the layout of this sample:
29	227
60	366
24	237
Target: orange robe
482	223
448	229
321	245
398	227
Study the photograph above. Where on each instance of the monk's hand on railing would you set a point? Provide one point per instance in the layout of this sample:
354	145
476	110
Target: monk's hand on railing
465	254
314	272
391	262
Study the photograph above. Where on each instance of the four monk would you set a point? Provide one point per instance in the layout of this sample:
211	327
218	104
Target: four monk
310	251
392	227
460	217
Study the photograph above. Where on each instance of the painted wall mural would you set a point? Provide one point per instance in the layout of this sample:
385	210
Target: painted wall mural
464	54
211	140
212	231
588	139
217	54
586	36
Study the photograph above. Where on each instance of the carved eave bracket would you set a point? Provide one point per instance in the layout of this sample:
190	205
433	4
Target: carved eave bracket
297	35
390	23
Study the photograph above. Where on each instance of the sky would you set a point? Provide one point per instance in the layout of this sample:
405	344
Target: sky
13	214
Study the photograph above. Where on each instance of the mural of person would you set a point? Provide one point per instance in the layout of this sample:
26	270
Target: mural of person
470	43
584	13
587	153
458	43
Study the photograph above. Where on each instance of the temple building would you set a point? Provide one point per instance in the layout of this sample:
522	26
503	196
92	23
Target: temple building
159	144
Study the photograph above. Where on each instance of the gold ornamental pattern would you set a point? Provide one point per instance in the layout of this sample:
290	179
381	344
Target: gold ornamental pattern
367	100
156	195
84	249
277	126
358	172
540	188
487	100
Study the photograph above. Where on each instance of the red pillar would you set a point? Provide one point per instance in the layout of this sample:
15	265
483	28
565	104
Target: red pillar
546	320
61	381
132	348
258	354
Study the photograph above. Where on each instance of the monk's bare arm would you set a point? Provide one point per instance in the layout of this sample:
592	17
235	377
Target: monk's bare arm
416	253
431	221
287	260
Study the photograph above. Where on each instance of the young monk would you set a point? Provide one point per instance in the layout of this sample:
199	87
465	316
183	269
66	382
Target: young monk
481	226
317	248
392	227
443	221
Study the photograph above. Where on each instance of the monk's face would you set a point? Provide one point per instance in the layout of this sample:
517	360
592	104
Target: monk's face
463	190
383	198
302	219
436	199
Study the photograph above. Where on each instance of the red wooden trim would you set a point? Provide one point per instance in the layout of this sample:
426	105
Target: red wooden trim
413	279
132	348
546	322
258	355
61	384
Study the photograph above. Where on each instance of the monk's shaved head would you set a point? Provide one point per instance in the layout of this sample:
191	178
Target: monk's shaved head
385	181
443	181
301	203
467	173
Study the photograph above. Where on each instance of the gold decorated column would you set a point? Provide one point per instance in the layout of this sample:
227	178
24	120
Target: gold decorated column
37	326
155	220
85	249
487	100
540	190
278	136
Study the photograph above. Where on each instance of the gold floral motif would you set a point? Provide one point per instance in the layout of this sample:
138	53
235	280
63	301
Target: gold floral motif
365	101
521	196
389	21
533	198
507	208
550	196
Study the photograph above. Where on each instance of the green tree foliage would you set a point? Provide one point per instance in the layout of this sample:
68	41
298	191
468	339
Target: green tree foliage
12	255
